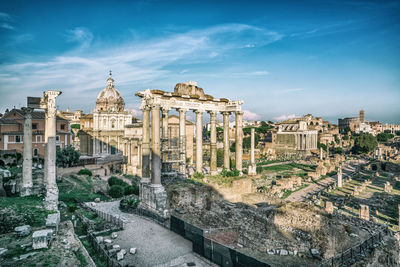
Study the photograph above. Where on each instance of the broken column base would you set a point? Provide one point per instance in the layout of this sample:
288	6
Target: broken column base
153	199
252	169
51	200
25	191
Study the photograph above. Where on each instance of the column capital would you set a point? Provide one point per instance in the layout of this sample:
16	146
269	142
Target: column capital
165	110
182	110
197	111
239	112
226	113
145	108
155	106
212	112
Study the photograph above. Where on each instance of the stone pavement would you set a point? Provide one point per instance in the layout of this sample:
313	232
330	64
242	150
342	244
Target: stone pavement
318	186
156	245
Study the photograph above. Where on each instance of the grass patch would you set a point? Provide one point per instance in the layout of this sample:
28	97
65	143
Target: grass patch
20	211
95	256
81	258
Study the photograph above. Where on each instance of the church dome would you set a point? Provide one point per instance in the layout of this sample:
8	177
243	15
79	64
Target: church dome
109	99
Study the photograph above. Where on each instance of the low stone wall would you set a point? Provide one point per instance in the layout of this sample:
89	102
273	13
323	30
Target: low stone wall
114	219
237	190
96	169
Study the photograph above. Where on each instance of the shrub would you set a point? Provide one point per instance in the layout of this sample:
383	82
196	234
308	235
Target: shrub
198	175
85	172
116	181
116	191
233	173
259	169
131	190
67	157
72	208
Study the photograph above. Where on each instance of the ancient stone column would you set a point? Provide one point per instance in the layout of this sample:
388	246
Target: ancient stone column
199	141
340	177
321	154
239	140
165	136
213	142
155	146
51	201
146	145
252	167
27	184
364	212
226	140
398	206
182	141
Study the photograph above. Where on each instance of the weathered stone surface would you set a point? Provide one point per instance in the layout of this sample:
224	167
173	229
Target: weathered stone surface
97	200
23	230
284	252
114	235
120	255
132	251
107	241
41	239
3	250
53	220
117	247
99	239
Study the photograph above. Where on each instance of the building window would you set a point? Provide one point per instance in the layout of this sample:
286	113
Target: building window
17	139
58	138
38	138
35	152
34	126
62	126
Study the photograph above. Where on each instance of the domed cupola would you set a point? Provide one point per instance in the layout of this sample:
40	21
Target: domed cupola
109	99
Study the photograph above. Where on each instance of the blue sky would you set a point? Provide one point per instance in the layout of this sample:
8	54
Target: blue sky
283	58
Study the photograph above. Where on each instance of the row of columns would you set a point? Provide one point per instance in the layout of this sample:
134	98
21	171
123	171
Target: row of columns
306	141
48	103
155	148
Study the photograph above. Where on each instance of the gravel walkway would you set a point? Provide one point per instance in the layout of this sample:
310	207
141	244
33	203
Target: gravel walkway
156	245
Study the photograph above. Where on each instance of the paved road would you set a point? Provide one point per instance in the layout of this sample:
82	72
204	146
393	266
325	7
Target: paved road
301	195
156	245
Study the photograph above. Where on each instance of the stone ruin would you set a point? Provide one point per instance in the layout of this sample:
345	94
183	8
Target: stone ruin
48	103
186	96
329	207
388	187
364	212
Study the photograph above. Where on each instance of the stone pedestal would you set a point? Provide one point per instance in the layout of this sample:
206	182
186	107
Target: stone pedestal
329	207
153	198
252	166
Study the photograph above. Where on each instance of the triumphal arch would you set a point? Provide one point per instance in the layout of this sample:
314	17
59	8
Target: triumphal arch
186	96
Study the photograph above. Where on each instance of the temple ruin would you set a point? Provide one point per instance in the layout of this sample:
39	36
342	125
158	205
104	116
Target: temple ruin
161	157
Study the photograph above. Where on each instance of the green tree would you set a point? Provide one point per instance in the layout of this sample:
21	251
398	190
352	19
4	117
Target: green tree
67	157
247	141
364	143
384	137
319	145
220	157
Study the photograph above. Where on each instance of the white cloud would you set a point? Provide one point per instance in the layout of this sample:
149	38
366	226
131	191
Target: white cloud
7	26
251	116
4	16
80	35
285	117
81	73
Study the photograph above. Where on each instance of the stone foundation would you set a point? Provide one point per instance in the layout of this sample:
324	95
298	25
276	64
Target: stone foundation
153	198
